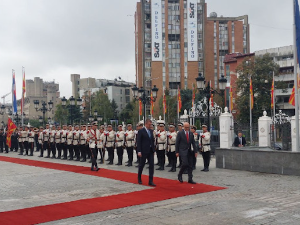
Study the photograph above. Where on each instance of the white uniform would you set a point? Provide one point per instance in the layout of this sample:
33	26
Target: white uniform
31	136
69	137
40	137
52	136
57	136
130	138
120	139
172	140
92	137
64	136
205	142
76	135
24	135
161	140
101	140
46	135
110	139
83	137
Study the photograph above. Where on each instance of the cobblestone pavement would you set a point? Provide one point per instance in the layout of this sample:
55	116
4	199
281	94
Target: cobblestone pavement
250	198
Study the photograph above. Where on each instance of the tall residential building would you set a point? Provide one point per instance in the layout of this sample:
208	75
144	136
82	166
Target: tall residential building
175	41
284	57
117	90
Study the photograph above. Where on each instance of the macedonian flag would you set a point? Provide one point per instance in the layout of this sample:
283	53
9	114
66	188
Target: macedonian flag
11	127
292	97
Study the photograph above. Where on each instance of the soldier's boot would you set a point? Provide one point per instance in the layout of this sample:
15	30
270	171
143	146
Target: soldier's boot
31	152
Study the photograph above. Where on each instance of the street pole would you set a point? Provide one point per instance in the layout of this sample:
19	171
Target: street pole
208	107
296	81
250	114
274	110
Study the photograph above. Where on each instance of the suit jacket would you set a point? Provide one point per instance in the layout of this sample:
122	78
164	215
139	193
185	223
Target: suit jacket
237	142
183	147
145	144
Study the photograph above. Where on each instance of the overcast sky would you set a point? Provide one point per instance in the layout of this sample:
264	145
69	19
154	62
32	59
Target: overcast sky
95	38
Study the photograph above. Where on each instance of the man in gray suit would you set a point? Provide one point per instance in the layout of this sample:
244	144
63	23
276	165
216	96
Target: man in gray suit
184	141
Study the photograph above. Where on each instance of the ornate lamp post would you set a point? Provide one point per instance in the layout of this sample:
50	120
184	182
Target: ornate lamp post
141	95
207	91
72	105
44	108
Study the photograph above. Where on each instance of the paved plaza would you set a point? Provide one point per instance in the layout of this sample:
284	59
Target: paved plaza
249	198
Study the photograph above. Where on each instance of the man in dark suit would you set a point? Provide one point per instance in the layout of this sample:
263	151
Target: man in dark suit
239	141
184	141
145	150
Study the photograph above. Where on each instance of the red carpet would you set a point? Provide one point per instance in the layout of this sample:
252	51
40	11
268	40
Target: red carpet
166	189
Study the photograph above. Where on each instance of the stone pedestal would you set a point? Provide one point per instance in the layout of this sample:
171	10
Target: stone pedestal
226	129
264	127
293	133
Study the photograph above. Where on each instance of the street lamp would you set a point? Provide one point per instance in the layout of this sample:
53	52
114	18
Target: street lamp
72	103
207	91
41	119
141	95
44	107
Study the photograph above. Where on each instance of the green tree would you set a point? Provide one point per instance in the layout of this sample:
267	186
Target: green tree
35	123
261	70
61	114
104	107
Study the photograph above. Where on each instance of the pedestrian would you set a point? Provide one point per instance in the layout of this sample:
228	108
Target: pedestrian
184	143
239	141
146	150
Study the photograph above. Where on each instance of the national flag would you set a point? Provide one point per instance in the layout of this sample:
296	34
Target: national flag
165	103
152	104
23	92
140	107
251	93
13	91
292	97
179	101
11	127
272	95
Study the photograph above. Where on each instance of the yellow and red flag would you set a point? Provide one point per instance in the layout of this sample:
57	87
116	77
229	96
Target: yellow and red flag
11	127
23	92
272	95
179	101
140	107
152	104
292	97
251	93
165	103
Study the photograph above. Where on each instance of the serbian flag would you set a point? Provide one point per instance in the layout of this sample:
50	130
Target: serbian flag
140	107
251	93
13	91
152	104
292	97
23	91
165	103
11	127
272	95
179	101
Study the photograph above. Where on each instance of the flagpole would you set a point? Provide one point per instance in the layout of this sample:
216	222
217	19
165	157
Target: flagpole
177	103
274	109
22	101
250	114
296	81
164	104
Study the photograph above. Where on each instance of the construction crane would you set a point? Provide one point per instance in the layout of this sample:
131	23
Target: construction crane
4	96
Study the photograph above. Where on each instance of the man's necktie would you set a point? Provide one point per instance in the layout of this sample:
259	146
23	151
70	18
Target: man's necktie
187	136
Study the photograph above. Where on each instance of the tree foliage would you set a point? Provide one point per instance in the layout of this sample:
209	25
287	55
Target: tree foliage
261	71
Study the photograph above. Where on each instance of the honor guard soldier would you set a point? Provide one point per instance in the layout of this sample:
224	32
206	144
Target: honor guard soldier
31	135
171	147
196	137
92	139
40	139
26	139
82	140
21	141
100	144
110	143
1	140
76	136
130	143
204	143
70	142
64	145
57	138
46	137
88	129
52	147
36	139
161	146
120	136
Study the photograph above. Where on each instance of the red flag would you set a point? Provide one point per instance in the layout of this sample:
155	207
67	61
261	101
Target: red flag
165	103
251	93
11	127
272	95
179	101
23	92
292	97
140	107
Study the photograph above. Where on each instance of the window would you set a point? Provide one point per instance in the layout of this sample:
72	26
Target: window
170	26
148	64
121	91
127	99
121	99
127	91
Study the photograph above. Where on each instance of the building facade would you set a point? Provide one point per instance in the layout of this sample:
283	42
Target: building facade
175	41
284	57
117	90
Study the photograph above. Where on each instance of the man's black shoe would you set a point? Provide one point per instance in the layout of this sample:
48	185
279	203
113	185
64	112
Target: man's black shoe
168	165
206	170
140	181
152	184
180	178
192	182
203	170
172	170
